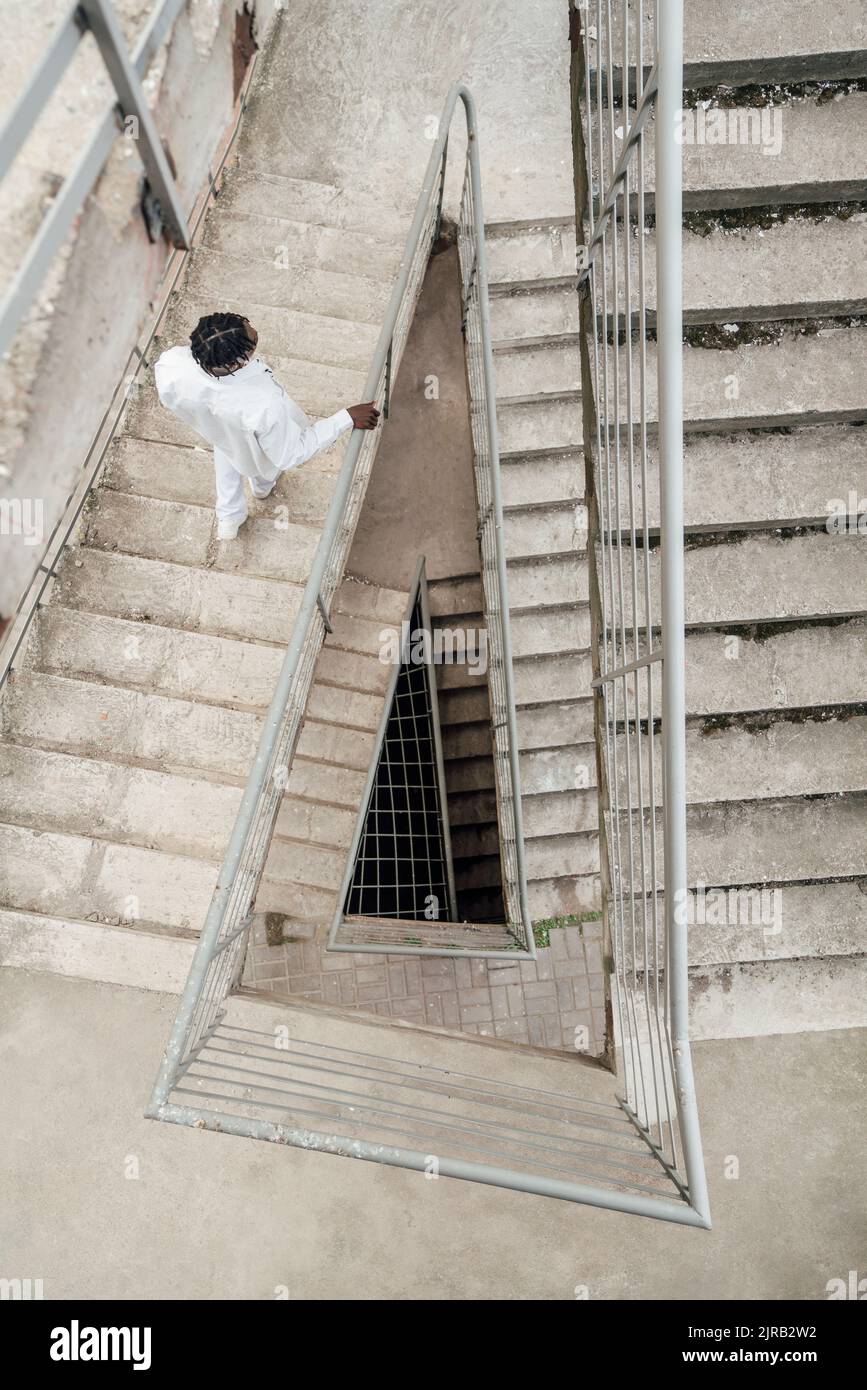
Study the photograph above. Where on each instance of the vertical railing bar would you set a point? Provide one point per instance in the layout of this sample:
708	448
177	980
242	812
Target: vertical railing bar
635	732
610	702
599	325
669	291
614	329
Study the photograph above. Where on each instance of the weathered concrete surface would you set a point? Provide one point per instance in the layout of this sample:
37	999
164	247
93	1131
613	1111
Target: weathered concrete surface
209	1216
421	497
362	107
739	42
817	157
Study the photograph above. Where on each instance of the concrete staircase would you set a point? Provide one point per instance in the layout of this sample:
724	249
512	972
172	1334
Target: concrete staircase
534	316
129	724
775	364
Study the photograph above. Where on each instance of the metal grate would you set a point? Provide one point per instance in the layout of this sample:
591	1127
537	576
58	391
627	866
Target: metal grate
402	867
399	874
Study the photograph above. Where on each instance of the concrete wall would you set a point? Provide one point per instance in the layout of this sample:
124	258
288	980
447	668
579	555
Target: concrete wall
421	499
58	378
100	1203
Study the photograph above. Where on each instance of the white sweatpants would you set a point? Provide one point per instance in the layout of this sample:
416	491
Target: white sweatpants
231	498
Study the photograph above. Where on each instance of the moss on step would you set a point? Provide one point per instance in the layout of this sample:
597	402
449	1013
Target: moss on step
542	929
738	334
703	223
772	94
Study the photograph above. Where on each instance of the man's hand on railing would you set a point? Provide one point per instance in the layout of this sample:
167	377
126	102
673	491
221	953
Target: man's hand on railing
364	417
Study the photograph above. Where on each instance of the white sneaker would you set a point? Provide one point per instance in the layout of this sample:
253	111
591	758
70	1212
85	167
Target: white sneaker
228	530
260	496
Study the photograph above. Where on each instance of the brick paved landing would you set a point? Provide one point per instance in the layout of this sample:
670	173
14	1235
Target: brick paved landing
541	1003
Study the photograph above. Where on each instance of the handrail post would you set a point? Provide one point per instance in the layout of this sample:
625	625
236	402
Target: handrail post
103	24
669	261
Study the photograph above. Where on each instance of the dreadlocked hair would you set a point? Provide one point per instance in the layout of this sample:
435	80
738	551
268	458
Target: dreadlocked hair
221	343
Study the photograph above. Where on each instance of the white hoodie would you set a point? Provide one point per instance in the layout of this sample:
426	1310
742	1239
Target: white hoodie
247	416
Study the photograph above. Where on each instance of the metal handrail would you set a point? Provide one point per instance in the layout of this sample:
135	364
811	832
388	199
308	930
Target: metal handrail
28	606
216	966
486	455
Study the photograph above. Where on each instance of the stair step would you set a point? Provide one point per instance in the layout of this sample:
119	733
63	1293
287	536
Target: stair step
163	660
289	243
531	370
467	741
552	813
304	866
478	873
799	379
248	189
354	299
172	473
760	578
355	708
796	668
547	633
539	582
363	600
565	895
540	424
472	808
817	158
128	586
450	598
467	706
798	269
63	794
540	680
765	998
744	763
559	478
84	878
351	749
543	770
767	842
770	842
475	841
565	856
755	479
530	253
545	530
317	781
266	548
129	726
372	636
815	920
547	311
352	670
568	768
550	725
66	794
725	44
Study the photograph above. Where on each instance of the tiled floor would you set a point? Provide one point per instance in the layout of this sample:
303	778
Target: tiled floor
555	1001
